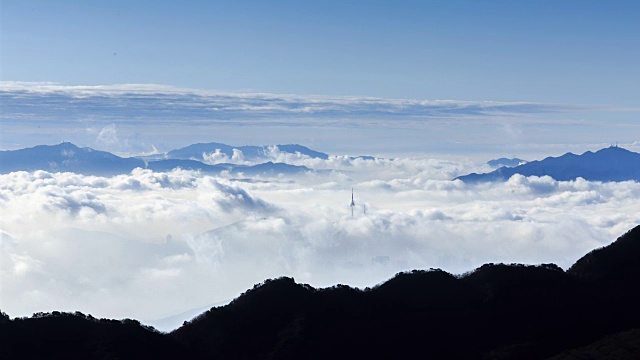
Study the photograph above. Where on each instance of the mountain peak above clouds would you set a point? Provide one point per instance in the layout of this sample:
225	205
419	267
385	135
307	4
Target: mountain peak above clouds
201	151
67	157
496	163
608	164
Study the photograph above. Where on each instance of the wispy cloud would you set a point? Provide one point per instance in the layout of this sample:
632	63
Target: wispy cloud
136	118
165	103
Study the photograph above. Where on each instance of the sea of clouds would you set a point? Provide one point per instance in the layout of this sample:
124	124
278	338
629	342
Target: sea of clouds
149	245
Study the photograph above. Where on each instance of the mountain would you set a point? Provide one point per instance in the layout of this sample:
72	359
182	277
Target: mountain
266	169
67	157
59	335
70	158
269	168
619	346
196	151
171	164
497	311
295	148
173	322
363	157
613	264
496	163
608	164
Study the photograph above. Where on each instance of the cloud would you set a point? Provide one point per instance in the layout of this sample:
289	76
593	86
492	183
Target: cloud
131	118
218	157
232	197
131	103
149	245
108	136
136	97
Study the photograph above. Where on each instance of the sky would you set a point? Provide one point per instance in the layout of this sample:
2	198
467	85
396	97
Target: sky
578	57
543	51
433	88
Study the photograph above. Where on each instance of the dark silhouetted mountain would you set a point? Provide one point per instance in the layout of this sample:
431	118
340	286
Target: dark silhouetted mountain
196	151
497	311
60	335
611	271
617	262
624	345
609	164
66	157
496	163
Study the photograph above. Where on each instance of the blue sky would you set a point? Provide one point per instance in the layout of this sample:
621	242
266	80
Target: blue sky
578	53
549	51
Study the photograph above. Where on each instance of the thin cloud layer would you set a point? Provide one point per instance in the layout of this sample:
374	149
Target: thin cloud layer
149	245
165	103
133	119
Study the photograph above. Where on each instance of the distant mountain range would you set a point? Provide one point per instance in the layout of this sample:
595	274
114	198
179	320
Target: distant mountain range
608	164
67	157
252	153
496	163
497	311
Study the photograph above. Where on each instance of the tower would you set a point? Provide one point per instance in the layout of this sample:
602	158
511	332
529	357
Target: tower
353	203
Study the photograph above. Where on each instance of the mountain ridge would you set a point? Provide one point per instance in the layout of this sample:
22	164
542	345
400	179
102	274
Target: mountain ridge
497	311
607	164
67	157
197	151
497	163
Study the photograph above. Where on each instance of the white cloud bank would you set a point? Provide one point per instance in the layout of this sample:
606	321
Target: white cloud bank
149	245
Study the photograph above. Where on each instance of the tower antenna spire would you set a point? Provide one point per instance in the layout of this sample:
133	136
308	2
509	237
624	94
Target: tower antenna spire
353	203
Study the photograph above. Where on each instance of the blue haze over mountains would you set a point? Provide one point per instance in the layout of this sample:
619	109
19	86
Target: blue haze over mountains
608	164
67	157
195	151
